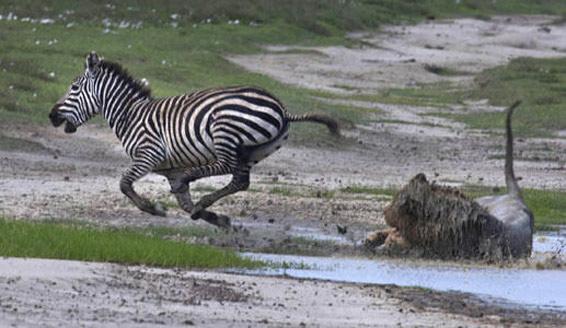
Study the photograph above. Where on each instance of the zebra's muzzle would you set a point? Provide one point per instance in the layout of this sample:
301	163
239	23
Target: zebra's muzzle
70	128
57	120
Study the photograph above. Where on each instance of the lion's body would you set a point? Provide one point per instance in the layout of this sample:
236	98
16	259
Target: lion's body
442	222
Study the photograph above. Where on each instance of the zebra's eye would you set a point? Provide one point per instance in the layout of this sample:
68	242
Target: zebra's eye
74	87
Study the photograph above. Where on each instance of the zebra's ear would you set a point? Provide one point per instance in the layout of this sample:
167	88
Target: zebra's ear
92	62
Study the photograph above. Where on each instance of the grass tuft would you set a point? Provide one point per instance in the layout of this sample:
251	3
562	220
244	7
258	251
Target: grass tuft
71	242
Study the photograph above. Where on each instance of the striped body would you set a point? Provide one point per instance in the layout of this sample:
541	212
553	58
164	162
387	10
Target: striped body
198	128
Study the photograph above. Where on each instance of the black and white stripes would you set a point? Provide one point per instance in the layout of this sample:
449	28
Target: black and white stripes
187	137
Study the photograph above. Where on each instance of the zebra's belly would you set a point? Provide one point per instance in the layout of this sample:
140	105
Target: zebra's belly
184	156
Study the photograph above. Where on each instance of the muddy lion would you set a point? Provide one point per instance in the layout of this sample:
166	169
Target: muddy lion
438	221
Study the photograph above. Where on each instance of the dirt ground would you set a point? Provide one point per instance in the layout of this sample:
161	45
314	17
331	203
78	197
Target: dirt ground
54	293
397	56
46	174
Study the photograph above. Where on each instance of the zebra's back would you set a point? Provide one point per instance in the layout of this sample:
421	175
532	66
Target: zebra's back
198	128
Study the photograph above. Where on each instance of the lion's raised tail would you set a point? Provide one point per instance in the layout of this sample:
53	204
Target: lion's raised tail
510	180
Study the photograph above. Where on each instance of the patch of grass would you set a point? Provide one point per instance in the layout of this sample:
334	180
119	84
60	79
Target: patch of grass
61	241
444	71
549	207
287	192
314	193
539	83
179	233
360	189
431	94
325	193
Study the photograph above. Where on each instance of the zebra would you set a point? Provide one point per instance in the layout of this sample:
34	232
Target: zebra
217	131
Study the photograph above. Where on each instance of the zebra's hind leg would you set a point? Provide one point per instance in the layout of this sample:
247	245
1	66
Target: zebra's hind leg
220	167
183	197
184	200
135	172
240	181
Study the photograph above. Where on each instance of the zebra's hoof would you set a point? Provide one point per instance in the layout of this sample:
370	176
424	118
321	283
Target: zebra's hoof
159	209
198	212
154	209
223	221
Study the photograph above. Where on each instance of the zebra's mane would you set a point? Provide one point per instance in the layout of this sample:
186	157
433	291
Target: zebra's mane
135	84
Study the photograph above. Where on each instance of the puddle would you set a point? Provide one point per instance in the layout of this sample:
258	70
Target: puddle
550	242
538	288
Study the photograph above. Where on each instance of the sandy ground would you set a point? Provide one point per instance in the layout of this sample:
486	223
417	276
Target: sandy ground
45	174
54	293
397	56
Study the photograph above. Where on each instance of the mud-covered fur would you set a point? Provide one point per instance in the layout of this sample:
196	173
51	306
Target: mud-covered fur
442	222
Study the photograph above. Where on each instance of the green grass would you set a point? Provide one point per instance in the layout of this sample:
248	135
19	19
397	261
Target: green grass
72	242
432	95
540	83
179	233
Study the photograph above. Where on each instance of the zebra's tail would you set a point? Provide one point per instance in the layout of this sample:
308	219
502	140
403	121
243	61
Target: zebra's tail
331	123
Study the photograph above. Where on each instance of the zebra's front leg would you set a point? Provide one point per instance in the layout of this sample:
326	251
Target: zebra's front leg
134	173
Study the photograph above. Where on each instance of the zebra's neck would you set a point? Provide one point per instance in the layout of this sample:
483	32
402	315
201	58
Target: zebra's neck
119	99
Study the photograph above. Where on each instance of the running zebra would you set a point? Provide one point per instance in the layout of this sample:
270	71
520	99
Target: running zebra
184	138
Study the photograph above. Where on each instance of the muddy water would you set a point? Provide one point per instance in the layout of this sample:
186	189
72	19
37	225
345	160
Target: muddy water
505	286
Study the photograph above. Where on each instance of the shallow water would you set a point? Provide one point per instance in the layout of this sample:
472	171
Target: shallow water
539	288
550	242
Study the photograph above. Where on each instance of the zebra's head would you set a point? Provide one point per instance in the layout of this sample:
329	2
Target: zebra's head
80	102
